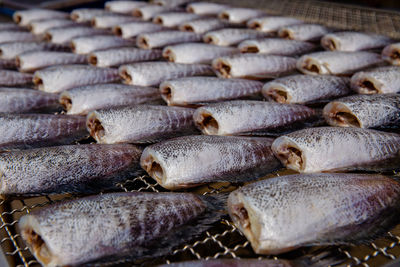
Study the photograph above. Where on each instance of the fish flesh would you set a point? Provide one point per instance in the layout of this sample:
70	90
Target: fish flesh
40	26
240	15
354	41
81	100
304	32
10	26
155	72
13	49
192	91
204	25
132	29
206	8
301	89
337	62
124	7
147	12
122	55
116	225
14	78
59	78
111	20
391	54
164	38
87	44
139	124
247	117
190	161
170	2
72	168
173	19
232	36
205	53
32	61
276	46
382	80
255	66
338	149
87	14
17	36
283	213
64	35
272	23
24	17
364	111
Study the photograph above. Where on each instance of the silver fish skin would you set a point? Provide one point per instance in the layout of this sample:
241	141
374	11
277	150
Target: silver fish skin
206	8
13	49
32	61
173	19
164	38
149	11
283	213
192	91
37	130
132	29
364	111
391	54
111	20
205	53
382	80
338	148
139	124
337	62
255	66
87	14
272	23
248	117
87	44
41	26
276	46
171	3
17	36
155	72
66	34
172	163
10	26
13	78
232	36
301	89
240	15
7	64
82	100
24	17
71	168
304	32
124	7
59	78
203	25
114	57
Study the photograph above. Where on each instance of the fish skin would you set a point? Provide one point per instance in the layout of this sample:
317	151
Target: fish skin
155	72
60	78
81	100
272	23
8	64
202	26
41	26
32	61
200	90
206	8
115	57
173	19
170	3
337	62
276	46
307	150
65	34
232	36
148	12
304	32
301	89
391	54
24	17
254	66
381	80
13	78
124	7
164	38
247	116
139	124
87	44
10	26
13	49
218	158
132	29
111	20
240	15
87	14
365	111
283	213
37	130
17	36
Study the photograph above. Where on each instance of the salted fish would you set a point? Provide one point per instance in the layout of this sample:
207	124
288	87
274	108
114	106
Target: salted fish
17	36
240	15
337	148
164	38
121	6
139	124
283	213
272	23
192	91
40	26
154	73
32	61
276	46
301	89
206	8
10	26
13	49
14	78
304	32
24	17
382	80
7	64
81	100
391	54
203	25
173	19
87	44
59	78
147	12
190	161
66	34
132	29
87	14
232	36
111	20
170	2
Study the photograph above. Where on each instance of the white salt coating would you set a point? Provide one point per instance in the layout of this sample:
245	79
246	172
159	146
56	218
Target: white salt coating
240	15
304	32
87	44
125	7
353	41
12	78
122	55
11	50
87	14
111	20
204	25
272	23
164	38
132	29
173	19
382	80
31	61
16	36
170	3
391	54
205	8
231	36
40	26
276	46
64	35
149	11
24	17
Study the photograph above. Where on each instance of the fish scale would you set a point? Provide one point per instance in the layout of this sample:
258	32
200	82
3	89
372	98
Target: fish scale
304	32
163	38
353	41
382	80
202	26
13	78
11	50
132	29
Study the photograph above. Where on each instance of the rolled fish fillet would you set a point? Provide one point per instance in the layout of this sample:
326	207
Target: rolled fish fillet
240	15
173	19
66	34
391	54
147	12
232	36
354	41
132	29
13	49
14	78
87	14
111	20
164	38
304	32
124	7
276	46
87	44
204	25
24	17
32	61
382	80
205	8
41	26
17	36
272	23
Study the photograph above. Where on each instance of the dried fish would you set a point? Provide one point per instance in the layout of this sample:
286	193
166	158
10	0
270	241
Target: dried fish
81	100
243	117
164	38
302	89
132	29
154	73
304	32
200	90
13	78
240	15
255	66
337	62
232	36
283	213
13	49
87	44
10	26
353	41
87	14
190	161
272	23
7	64
149	11
206	8
173	19
66	34
382	80
17	36
125	7
276	46
41	26
337	148
203	25
32	61
24	17
170	2
59	78
111	20
139	124
391	54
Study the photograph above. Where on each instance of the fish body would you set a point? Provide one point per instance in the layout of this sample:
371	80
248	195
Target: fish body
353	41
272	23
13	49
87	14
170	3
391	54
7	64
87	44
240	15
382	80
17	36
64	35
24	17
304	32
132	29
14	78
232	36
173	19
41	26
276	46
204	25
205	8
32	61
111	20
164	38
124	7
10	26
148	12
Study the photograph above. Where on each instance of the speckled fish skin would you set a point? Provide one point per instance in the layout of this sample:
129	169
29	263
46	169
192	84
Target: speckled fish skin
66	34
139	124
240	15
125	7
171	3
271	23
111	20
283	213
307	150
132	29
232	36
164	38
205	53
364	111
247	117
32	61
122	55
87	14
87	44
222	158
173	19
155	72
82	100
205	8
24	17
304	32
204	25
72	168
337	62
391	54
382	80
149	11
7	64
254	66
192	91
13	78
17	36
59	78
276	46
11	50
10	26
36	130
301	89
41	26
